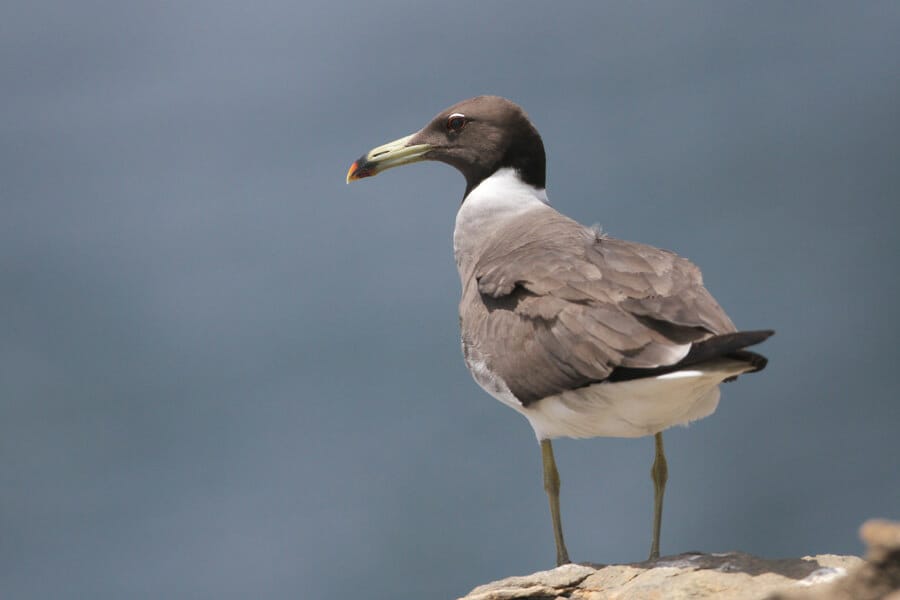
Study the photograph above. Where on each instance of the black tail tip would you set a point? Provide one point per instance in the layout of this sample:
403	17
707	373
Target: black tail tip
751	338
758	361
759	335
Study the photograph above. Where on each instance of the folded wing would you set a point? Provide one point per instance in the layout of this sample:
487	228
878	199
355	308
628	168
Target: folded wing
565	306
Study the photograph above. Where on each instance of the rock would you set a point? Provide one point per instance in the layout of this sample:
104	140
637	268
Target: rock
876	579
733	575
537	585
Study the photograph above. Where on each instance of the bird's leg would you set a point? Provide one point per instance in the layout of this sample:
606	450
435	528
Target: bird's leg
660	474
551	485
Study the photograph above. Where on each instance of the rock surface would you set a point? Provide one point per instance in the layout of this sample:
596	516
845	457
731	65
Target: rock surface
733	575
876	579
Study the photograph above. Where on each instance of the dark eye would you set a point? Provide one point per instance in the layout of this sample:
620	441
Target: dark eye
456	122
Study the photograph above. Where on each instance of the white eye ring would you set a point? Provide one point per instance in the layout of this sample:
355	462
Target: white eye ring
456	122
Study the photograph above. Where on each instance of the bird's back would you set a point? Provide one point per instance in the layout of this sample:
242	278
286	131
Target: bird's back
584	333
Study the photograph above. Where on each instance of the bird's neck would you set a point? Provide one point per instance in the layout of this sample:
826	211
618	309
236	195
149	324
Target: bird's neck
488	207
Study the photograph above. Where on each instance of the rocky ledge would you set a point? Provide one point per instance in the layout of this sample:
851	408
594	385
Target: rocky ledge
732	575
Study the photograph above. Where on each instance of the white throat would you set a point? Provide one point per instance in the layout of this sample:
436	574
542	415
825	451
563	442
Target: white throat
500	197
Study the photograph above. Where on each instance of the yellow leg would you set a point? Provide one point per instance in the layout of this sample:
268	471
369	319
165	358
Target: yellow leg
551	485
660	474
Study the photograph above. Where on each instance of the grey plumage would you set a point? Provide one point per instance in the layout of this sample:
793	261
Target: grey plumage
550	305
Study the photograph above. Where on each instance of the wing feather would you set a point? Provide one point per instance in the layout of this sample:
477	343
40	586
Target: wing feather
551	305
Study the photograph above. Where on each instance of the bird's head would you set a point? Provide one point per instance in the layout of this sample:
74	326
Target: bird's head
478	136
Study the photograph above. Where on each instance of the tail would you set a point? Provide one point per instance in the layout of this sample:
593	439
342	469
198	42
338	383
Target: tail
727	345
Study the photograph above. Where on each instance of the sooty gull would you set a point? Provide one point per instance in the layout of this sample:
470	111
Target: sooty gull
583	334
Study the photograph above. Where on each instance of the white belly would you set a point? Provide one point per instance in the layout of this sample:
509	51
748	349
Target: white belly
625	409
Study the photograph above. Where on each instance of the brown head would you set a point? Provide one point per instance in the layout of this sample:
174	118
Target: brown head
478	136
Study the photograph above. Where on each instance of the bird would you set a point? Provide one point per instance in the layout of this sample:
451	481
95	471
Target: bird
583	334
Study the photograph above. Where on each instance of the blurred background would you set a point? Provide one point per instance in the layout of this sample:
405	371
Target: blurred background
226	374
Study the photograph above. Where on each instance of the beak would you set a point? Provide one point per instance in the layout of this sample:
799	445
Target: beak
392	154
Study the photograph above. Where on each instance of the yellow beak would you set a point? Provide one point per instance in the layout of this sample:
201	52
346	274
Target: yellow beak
382	158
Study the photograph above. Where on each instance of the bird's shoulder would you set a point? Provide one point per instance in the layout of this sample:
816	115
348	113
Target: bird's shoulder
557	256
